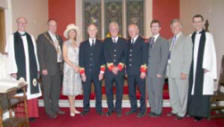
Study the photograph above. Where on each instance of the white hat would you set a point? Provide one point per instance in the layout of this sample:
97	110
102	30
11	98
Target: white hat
70	27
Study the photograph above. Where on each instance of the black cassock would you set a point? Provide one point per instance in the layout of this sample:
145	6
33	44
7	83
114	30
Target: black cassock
198	104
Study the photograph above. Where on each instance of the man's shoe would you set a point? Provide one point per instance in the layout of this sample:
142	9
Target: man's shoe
60	112
140	115
119	114
100	113
109	113
179	117
171	114
152	114
84	113
52	116
130	112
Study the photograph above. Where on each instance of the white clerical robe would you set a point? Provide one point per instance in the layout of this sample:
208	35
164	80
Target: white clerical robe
12	62
209	63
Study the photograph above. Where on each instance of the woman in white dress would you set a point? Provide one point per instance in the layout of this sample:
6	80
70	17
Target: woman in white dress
72	85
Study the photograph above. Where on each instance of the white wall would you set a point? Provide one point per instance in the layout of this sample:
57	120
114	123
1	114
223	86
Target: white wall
36	12
213	11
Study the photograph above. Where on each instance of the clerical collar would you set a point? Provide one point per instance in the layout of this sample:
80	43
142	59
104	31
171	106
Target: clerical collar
199	32
22	33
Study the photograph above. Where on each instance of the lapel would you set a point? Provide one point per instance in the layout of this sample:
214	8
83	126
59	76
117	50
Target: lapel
178	41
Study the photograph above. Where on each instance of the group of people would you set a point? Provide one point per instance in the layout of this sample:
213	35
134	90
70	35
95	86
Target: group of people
189	62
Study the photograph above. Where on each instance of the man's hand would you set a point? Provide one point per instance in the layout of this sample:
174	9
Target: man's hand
14	75
159	76
100	76
44	72
142	75
83	76
183	76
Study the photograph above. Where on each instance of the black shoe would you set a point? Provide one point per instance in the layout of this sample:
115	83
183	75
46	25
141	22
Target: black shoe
119	114
197	119
109	113
152	114
140	115
179	117
84	113
60	112
32	119
130	112
171	114
100	113
52	116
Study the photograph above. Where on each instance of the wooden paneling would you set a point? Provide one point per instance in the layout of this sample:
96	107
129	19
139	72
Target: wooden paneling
2	30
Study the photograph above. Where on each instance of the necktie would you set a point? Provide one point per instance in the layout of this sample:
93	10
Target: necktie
93	42
152	42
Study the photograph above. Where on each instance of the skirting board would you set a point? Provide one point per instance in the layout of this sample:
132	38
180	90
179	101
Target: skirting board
79	103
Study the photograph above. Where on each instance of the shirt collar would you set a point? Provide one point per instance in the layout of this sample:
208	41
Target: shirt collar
91	39
135	38
156	37
116	38
178	35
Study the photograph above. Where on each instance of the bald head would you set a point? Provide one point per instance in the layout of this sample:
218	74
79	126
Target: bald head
133	30
92	30
21	23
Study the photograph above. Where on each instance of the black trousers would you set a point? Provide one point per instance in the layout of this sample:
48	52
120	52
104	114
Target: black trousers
110	78
133	82
51	92
92	77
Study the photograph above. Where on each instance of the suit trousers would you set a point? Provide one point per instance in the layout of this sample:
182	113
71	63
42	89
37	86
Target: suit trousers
110	78
178	90
133	82
87	91
155	92
51	90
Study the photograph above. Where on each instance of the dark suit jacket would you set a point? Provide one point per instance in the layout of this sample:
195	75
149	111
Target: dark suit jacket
91	62
47	53
137	56
115	53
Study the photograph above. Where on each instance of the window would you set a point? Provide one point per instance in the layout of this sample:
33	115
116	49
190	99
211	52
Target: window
102	12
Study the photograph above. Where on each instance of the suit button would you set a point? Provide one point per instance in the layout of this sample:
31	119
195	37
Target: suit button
130	55
115	50
130	65
130	59
131	50
114	61
115	55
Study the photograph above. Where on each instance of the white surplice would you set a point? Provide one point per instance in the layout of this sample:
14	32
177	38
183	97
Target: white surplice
209	63
12	62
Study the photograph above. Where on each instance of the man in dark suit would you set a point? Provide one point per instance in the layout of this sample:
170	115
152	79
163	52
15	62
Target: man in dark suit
115	52
157	61
136	67
92	68
50	58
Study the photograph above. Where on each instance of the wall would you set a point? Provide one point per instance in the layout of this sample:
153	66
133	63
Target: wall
165	11
211	10
63	11
3	4
36	12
